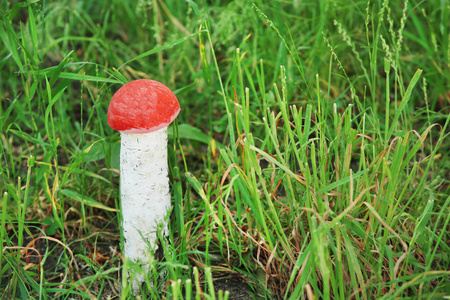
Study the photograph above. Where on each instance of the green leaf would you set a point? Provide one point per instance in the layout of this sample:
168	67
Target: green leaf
197	186
199	189
405	100
423	220
189	132
14	48
94	152
5	115
28	137
73	166
85	200
206	70
47	221
4	60
80	77
50	230
161	48
33	31
342	181
56	72
194	7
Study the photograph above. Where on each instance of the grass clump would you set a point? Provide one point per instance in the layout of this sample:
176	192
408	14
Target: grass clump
310	158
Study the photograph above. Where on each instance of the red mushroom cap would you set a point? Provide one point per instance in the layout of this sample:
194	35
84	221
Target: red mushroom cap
142	106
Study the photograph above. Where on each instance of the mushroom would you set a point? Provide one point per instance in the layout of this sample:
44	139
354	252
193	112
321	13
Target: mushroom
141	110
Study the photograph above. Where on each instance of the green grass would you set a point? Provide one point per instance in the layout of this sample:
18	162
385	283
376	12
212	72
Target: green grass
310	158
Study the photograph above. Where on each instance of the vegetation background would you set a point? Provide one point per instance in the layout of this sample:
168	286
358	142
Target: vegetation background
310	159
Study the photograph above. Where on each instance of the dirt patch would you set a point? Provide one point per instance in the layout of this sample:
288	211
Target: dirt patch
239	290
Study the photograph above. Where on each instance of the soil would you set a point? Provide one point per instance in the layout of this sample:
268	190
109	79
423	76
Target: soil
105	251
238	289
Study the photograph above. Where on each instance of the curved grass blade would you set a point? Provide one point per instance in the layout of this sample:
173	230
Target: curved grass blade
86	200
161	48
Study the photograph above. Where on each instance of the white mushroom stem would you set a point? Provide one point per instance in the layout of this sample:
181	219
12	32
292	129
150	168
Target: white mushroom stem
144	186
